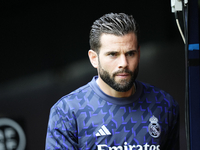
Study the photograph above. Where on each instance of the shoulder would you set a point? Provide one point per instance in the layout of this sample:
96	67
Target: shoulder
71	100
156	93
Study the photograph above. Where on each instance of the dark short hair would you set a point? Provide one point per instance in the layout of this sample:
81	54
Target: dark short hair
117	24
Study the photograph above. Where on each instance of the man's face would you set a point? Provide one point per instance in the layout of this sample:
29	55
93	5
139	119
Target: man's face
118	61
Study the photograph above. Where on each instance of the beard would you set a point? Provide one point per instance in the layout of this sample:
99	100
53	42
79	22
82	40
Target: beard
123	85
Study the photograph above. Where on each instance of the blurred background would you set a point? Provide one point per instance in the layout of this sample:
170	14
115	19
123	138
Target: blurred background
44	47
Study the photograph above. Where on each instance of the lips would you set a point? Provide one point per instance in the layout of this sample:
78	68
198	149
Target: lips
122	74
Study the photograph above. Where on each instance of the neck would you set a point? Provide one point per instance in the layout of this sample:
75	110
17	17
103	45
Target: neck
111	92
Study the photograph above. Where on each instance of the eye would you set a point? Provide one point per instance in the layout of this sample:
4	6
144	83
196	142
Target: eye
131	53
112	54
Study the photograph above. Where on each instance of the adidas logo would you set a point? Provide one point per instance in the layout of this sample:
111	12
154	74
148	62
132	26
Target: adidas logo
103	131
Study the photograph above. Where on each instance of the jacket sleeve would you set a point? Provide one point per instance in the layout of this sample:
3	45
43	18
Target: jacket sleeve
174	134
62	130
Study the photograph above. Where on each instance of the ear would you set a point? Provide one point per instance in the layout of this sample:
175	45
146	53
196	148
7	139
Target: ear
93	58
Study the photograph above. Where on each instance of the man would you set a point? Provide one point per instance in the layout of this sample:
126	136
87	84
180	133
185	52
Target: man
114	111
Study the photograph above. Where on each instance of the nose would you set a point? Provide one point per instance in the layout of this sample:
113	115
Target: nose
123	63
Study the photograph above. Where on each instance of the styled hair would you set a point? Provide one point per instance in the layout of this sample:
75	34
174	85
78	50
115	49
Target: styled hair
117	24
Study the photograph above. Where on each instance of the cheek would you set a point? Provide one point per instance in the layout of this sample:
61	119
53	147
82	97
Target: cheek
133	65
106	67
105	64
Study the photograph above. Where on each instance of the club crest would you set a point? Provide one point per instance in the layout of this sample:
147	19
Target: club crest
154	128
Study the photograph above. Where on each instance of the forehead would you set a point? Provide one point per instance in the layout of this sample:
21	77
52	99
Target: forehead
110	41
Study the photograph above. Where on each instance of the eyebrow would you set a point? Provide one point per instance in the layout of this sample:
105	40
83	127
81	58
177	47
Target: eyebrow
115	51
132	51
